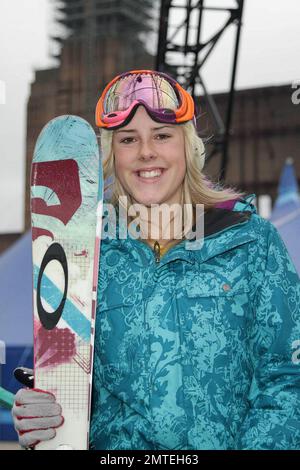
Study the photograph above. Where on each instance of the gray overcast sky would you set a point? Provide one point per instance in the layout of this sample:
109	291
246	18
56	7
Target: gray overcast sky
269	55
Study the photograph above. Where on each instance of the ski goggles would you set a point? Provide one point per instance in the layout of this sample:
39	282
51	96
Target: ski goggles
164	99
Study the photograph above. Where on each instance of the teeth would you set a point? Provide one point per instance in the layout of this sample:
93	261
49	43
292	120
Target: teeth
150	174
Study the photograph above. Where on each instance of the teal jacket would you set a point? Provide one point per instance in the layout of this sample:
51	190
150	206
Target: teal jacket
199	350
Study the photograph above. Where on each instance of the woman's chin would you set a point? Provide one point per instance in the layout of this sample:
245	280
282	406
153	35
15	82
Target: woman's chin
147	201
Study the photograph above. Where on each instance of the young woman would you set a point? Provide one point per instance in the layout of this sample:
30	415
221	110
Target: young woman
196	344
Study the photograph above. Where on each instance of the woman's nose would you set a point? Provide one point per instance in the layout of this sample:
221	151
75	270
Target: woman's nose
147	152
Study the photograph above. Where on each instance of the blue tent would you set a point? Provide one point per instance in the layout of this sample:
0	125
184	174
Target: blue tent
286	212
16	293
16	319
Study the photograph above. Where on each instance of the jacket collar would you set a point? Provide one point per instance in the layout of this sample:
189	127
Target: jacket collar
221	233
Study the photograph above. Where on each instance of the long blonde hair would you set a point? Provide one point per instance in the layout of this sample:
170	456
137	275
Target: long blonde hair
197	187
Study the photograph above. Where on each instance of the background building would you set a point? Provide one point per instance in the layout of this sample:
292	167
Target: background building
265	131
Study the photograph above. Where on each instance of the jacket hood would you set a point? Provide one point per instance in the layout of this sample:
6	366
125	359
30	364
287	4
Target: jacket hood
224	229
228	214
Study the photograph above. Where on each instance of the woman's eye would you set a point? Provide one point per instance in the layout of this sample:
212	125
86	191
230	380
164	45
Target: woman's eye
127	140
162	136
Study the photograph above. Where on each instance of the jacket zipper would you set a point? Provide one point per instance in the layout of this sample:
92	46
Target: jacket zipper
156	250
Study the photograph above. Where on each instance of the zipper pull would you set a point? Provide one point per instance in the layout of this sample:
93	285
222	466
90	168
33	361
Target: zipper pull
156	249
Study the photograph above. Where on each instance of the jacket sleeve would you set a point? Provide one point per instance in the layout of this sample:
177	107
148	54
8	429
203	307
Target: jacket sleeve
273	418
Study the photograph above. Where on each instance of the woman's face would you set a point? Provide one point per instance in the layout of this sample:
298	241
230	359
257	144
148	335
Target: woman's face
150	159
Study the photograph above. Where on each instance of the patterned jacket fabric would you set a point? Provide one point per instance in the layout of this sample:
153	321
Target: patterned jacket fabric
200	350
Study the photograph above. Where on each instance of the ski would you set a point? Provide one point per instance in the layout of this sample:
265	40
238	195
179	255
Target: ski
66	215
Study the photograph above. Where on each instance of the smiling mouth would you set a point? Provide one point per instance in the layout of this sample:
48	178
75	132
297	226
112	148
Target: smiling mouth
150	175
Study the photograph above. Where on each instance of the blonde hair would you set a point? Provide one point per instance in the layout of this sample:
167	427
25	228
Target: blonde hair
197	187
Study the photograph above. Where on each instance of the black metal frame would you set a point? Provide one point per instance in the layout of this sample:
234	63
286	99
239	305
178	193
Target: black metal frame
190	75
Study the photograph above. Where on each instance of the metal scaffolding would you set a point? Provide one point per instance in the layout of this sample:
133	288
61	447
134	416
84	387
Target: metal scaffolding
182	53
